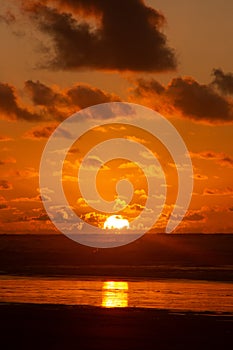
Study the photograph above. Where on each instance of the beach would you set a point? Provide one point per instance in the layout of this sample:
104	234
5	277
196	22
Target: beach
47	268
30	326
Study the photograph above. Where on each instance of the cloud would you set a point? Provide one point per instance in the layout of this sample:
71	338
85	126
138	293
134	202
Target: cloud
41	217
7	161
109	35
61	103
194	216
220	158
200	177
49	103
5	185
26	173
82	203
84	96
5	138
128	165
94	163
40	132
218	192
185	97
10	107
223	81
27	199
93	218
44	95
8	17
3	206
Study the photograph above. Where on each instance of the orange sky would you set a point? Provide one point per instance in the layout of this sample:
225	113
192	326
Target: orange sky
61	56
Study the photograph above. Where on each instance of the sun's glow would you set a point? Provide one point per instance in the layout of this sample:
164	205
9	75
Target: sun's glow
116	222
115	294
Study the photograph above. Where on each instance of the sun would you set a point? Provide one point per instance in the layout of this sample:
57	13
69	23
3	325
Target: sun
116	222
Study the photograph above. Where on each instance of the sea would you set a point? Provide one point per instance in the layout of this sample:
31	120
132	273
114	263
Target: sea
172	294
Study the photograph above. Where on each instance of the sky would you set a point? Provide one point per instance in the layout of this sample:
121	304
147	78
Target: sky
61	56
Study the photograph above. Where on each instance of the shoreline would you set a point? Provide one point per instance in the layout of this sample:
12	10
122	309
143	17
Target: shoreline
160	272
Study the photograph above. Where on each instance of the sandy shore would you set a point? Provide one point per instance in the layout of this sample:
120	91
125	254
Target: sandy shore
29	326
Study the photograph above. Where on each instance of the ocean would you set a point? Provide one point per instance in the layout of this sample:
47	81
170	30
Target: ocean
177	295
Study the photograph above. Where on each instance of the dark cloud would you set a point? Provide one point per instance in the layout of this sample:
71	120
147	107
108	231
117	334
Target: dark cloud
49	103
43	95
194	217
220	158
223	81
8	17
218	192
40	132
149	86
5	185
40	217
84	96
64	102
100	34
10	107
187	97
199	101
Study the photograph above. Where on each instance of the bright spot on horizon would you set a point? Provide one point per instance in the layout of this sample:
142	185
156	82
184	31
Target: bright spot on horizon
116	222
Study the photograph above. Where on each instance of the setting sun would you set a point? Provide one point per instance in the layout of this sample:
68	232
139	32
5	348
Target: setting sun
116	222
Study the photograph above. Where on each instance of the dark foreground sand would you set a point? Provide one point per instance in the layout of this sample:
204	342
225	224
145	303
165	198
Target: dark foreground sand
28	326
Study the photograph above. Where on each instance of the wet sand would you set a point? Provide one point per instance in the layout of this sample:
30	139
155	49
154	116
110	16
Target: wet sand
32	326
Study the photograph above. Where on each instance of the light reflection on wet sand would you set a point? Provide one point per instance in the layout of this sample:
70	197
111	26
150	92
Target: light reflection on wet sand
159	294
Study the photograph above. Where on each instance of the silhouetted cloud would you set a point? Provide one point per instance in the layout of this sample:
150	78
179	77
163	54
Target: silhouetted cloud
40	132
194	216
5	185
218	192
43	95
49	103
224	81
185	96
8	17
220	158
77	97
100	34
10	107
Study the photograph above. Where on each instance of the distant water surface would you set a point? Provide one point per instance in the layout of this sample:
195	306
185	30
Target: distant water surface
163	294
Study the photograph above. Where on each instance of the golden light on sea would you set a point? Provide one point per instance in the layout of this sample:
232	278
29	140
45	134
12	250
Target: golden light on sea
115	294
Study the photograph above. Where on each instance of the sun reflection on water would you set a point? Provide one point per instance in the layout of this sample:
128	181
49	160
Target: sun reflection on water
115	294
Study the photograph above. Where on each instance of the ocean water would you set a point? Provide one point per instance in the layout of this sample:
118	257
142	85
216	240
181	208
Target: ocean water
179	295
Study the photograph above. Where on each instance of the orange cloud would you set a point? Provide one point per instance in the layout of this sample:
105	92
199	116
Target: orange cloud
5	138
